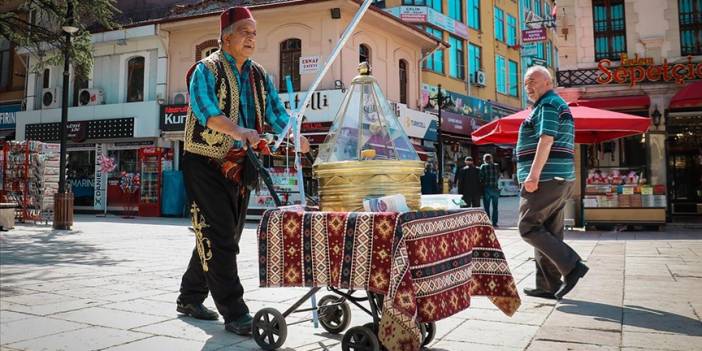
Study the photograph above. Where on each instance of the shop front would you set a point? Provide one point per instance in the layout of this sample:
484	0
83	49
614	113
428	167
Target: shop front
651	178
8	120
88	141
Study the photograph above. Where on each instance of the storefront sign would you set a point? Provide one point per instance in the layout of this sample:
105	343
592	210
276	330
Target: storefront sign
323	106
95	129
413	14
172	117
100	200
461	104
458	124
7	115
637	70
424	14
309	64
415	123
77	131
533	35
529	50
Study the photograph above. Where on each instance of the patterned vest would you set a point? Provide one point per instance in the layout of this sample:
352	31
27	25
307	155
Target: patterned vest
207	142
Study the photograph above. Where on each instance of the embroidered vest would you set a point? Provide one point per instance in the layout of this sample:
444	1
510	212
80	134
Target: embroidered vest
207	142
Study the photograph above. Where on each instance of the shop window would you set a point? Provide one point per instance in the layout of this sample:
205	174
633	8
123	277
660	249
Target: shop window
364	53
499	24
690	17
474	14
609	27
81	176
125	161
403	82
537	7
290	52
135	79
456	58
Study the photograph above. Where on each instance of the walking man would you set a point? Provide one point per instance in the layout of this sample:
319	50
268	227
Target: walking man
545	168
489	177
231	99
469	183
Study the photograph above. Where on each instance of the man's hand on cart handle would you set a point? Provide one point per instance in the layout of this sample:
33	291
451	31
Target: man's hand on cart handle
304	143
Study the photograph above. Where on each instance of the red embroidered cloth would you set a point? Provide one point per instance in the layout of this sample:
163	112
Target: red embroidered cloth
427	264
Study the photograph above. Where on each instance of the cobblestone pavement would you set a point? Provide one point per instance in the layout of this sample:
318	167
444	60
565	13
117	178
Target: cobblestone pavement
111	283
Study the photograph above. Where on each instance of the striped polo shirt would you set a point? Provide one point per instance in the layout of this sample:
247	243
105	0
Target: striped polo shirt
549	116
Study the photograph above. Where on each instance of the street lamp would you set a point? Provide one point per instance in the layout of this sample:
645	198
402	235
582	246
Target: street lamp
63	202
441	102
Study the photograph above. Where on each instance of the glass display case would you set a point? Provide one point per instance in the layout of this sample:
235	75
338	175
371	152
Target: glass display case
367	153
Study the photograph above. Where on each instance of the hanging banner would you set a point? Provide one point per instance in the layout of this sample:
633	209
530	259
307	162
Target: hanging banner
100	200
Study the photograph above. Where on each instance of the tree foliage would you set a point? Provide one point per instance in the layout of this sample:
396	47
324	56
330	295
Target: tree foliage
36	26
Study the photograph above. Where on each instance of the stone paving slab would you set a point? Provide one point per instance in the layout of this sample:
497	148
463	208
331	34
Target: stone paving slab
112	284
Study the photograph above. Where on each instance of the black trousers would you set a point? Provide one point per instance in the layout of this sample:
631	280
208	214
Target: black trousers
218	211
541	225
472	200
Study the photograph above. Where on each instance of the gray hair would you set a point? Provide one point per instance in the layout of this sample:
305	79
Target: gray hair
226	31
541	69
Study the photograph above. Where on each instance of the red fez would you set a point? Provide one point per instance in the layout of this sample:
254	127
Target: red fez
232	15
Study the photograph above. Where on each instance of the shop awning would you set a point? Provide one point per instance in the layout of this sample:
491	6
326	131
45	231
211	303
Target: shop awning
591	126
689	96
633	102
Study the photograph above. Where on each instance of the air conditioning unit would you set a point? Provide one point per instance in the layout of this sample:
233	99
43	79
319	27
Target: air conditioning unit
51	98
88	97
181	98
479	79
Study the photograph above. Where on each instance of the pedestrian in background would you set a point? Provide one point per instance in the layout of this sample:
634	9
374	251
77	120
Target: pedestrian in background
469	183
429	180
489	178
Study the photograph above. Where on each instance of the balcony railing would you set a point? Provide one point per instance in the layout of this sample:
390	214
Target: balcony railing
576	77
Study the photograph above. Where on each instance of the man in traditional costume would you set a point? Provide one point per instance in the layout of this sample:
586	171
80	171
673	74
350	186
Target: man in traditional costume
231	98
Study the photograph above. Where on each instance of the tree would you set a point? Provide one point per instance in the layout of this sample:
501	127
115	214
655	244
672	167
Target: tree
36	26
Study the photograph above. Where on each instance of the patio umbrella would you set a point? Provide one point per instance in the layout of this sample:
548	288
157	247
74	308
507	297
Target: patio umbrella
591	126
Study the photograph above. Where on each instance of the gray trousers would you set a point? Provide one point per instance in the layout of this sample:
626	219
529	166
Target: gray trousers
541	225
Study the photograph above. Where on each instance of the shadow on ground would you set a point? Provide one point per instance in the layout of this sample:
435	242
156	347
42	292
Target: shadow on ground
635	316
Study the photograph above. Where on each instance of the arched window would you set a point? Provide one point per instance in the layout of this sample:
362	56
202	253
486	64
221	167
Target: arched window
135	79
403	81
364	54
206	48
290	52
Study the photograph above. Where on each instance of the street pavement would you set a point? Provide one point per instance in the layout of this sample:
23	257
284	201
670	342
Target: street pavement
111	284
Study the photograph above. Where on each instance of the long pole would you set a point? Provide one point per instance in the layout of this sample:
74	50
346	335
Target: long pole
64	105
440	149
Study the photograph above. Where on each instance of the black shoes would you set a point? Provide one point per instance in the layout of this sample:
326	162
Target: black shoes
240	326
539	293
571	279
198	311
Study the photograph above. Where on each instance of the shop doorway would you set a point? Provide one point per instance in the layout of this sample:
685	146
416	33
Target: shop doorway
685	167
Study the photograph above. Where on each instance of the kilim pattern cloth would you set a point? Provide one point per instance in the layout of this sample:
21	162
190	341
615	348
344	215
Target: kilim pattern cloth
426	264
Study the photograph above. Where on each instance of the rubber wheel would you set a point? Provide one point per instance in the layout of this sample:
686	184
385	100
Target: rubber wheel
360	339
428	332
269	329
334	319
372	327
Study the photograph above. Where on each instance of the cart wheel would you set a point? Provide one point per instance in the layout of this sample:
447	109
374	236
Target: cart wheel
334	318
428	332
269	329
360	339
372	327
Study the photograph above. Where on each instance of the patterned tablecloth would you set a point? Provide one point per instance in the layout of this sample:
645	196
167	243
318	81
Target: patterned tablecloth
427	264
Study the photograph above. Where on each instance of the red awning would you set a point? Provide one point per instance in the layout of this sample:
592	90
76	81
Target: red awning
591	126
635	102
688	96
